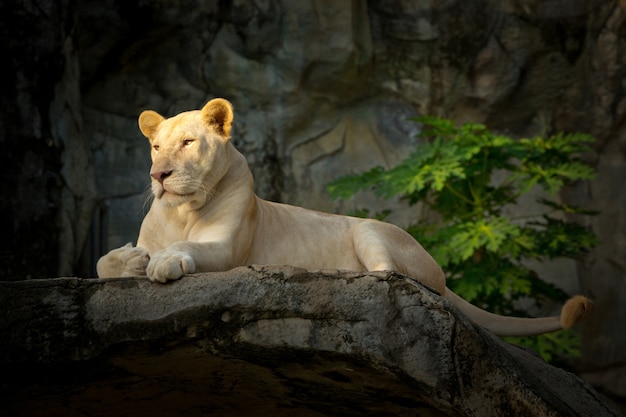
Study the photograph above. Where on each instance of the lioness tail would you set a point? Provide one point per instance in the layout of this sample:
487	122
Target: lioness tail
575	310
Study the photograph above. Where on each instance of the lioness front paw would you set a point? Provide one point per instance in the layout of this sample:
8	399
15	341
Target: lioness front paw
167	265
127	261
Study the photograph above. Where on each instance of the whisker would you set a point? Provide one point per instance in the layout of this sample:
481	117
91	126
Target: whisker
148	197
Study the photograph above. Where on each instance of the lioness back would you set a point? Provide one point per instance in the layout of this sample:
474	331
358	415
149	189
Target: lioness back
305	238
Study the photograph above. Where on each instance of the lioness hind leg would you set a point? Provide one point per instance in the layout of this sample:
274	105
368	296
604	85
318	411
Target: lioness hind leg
385	247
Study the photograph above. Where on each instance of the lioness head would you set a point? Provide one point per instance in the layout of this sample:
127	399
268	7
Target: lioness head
188	151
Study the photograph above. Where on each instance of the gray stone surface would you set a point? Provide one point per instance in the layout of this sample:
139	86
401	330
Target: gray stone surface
265	341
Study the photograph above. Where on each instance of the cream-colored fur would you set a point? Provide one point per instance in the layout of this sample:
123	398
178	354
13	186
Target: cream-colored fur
206	217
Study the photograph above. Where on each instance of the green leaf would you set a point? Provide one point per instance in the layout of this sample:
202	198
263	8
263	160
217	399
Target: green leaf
345	187
566	208
487	233
559	238
552	346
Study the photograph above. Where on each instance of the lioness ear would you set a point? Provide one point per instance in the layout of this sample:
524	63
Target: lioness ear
218	114
148	122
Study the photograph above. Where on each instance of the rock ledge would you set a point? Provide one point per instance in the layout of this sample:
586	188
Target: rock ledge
265	340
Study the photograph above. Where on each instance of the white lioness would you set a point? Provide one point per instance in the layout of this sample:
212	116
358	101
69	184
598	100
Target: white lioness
205	217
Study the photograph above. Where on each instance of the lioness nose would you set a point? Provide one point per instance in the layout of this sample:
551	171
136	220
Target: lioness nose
160	175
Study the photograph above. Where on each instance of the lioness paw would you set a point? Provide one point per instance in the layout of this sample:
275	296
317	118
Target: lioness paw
167	265
127	261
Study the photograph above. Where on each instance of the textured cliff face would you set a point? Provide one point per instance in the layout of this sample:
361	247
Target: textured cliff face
321	89
265	341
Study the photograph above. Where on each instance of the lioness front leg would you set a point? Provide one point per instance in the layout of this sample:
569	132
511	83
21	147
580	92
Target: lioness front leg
187	257
127	261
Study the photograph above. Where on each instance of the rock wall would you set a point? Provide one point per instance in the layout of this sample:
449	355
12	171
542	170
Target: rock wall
265	341
321	89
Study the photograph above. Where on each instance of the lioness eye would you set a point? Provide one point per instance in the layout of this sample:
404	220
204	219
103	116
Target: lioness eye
187	142
155	147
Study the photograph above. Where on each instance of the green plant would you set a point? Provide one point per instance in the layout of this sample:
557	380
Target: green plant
468	177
